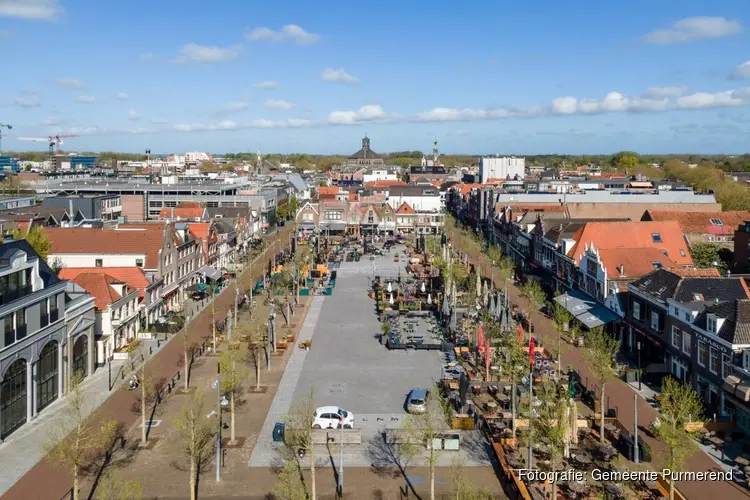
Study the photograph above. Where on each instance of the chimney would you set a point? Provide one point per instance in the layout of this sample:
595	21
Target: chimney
172	213
716	300
622	270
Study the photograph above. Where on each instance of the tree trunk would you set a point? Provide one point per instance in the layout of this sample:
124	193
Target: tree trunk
187	366
554	489
257	370
513	407
231	418
432	473
193	478
75	482
601	416
313	488
671	489
213	320
144	429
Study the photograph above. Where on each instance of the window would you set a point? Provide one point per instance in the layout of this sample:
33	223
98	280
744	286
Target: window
713	360
698	297
686	342
44	318
682	253
726	366
10	332
665	253
676	337
21	324
656	237
636	310
657	265
138	262
702	353
711	323
98	263
746	360
716	222
655	321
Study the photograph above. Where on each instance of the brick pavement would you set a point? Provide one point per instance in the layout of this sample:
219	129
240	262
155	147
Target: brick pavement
620	395
45	480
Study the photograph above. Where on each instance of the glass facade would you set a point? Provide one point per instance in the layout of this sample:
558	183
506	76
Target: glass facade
9	163
13	398
80	357
46	372
82	161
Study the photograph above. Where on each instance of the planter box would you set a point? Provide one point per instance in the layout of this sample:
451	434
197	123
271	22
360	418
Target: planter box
121	355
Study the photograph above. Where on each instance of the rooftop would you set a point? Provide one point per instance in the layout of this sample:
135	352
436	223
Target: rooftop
701	222
606	197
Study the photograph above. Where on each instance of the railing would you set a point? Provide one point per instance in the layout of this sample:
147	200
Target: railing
11	295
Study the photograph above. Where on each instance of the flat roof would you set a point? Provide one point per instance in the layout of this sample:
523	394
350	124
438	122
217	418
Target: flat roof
607	197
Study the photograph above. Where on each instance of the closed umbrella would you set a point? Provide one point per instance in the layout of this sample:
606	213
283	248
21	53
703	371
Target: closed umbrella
423	287
390	287
429	299
391	299
453	324
479	284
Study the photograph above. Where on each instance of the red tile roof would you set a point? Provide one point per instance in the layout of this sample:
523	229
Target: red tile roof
405	209
607	235
686	272
99	285
99	241
700	222
182	212
200	229
384	184
133	276
465	188
633	262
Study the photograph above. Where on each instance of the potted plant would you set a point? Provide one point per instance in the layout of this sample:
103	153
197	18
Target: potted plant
306	344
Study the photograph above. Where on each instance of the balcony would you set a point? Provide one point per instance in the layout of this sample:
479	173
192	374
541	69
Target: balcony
11	295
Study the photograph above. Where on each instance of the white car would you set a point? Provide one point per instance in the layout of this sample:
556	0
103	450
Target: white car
332	417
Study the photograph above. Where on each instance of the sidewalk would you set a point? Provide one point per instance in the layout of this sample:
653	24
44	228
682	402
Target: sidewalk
21	457
620	396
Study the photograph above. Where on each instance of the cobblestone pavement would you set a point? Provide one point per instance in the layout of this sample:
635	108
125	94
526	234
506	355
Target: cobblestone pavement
620	396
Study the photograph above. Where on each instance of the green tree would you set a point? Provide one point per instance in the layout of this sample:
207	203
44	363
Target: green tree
232	372
707	255
37	238
110	487
601	351
533	292
680	405
299	442
551	424
197	435
561	319
79	436
463	488
514	363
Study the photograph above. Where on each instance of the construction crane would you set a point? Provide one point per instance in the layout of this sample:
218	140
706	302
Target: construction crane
52	140
2	126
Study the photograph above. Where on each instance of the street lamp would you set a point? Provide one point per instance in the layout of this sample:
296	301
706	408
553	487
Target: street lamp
638	348
217	384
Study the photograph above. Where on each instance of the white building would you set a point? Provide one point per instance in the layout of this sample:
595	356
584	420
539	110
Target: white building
420	198
197	157
379	174
506	167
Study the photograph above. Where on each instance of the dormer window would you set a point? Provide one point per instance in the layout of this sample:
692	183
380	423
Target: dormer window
656	237
716	222
711	323
657	265
698	297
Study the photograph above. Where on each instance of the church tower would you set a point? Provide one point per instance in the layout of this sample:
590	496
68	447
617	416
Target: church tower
365	145
435	153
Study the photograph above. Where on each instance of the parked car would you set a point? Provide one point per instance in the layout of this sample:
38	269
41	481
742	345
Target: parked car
332	417
416	402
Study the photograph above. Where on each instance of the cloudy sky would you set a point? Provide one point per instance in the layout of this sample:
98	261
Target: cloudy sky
300	76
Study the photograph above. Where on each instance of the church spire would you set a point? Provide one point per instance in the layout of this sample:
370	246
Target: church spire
435	153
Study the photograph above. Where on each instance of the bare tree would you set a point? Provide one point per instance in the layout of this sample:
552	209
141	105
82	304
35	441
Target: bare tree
232	372
187	357
513	362
561	319
533	292
197	434
462	487
423	429
111	487
79	436
551	424
299	440
600	354
680	405
255	333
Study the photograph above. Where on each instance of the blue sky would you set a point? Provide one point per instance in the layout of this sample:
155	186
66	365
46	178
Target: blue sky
481	77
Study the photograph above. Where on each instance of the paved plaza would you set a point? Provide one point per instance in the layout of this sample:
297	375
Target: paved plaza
347	367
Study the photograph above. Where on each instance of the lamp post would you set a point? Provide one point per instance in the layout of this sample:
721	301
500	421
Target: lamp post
218	417
636	454
341	459
638	348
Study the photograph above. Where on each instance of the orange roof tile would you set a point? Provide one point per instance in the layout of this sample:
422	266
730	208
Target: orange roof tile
700	222
182	213
465	188
328	190
99	285
133	276
200	229
405	209
633	262
384	183
65	240
665	236
688	272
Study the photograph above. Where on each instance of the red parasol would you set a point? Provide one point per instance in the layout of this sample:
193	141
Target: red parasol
531	350
520	334
480	338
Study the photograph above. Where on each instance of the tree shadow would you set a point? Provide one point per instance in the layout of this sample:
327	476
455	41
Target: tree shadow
386	459
115	455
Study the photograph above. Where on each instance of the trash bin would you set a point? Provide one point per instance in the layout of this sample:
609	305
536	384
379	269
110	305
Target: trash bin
278	432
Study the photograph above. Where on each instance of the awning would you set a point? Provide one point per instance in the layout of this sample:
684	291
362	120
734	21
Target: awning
585	309
210	272
333	226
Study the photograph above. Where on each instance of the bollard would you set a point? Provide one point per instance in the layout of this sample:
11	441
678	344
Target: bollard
150	350
178	375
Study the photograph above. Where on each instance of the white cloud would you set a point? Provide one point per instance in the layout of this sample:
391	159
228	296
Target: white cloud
192	53
72	83
338	76
742	71
228	125
369	113
35	10
692	29
612	102
148	56
290	123
269	84
122	96
289	33
233	107
86	99
133	115
158	121
27	102
662	92
278	104
728	98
